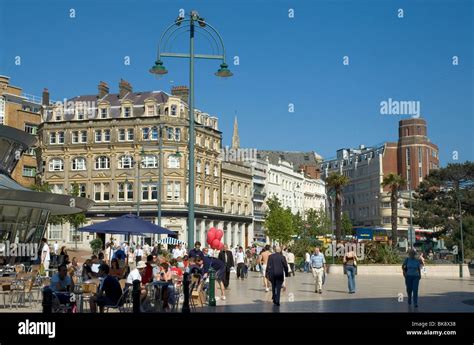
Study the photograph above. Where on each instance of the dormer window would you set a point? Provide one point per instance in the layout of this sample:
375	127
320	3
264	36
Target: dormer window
173	110
150	110
104	113
166	111
127	112
80	114
58	116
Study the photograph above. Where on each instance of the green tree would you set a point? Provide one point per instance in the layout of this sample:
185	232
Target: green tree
279	222
443	199
394	183
346	224
337	182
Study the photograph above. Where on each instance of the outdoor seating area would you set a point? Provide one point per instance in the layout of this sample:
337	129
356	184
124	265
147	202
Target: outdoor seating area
20	286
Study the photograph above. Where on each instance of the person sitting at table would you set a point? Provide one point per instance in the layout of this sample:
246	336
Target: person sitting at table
109	290
175	269
74	265
61	282
115	270
167	290
62	285
87	270
100	259
136	274
148	273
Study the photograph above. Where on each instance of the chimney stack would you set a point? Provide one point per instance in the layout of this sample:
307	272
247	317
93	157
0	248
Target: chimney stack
181	92
124	87
45	97
4	81
103	89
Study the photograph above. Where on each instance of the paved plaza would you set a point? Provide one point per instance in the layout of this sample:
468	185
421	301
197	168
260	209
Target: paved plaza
374	294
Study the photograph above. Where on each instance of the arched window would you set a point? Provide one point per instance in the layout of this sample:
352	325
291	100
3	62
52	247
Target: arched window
56	164
125	162
206	196
102	163
224	187
173	110
232	188
216	171
198	194
207	169
149	161
198	165
238	190
78	163
173	162
166	111
215	198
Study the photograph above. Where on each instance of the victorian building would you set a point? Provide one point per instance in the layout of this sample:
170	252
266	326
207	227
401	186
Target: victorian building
107	145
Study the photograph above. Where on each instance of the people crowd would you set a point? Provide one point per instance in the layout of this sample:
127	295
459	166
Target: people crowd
163	270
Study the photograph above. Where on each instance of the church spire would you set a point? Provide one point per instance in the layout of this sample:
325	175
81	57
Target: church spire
235	135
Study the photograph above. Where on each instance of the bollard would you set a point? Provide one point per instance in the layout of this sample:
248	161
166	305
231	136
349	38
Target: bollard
47	300
136	296
186	281
212	287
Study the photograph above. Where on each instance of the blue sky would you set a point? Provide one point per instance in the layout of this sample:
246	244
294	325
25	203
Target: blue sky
282	61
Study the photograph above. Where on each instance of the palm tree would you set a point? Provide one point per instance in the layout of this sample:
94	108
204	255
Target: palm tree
394	182
337	182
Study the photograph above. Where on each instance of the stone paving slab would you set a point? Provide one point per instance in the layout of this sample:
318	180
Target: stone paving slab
374	294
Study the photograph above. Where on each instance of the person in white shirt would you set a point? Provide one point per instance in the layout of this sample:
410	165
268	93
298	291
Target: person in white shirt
45	257
136	274
307	262
178	252
146	250
291	262
240	261
55	248
138	254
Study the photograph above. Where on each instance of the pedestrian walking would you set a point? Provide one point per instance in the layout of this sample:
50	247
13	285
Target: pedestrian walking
412	272
307	262
240	261
139	254
277	270
291	261
318	265
263	260
350	268
226	256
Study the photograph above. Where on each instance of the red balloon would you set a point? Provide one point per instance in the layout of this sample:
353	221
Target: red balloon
209	242
221	246
211	236
219	234
215	244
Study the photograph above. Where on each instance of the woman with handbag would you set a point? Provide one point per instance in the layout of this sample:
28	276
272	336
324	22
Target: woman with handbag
412	272
350	268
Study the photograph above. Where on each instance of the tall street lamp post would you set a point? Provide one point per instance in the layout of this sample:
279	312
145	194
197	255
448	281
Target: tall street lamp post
189	24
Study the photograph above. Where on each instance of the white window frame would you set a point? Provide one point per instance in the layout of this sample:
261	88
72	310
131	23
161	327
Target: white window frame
173	162
126	162
99	162
56	164
75	163
149	162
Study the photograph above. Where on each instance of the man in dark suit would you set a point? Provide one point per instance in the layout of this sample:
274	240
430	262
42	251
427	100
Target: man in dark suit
277	270
226	256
